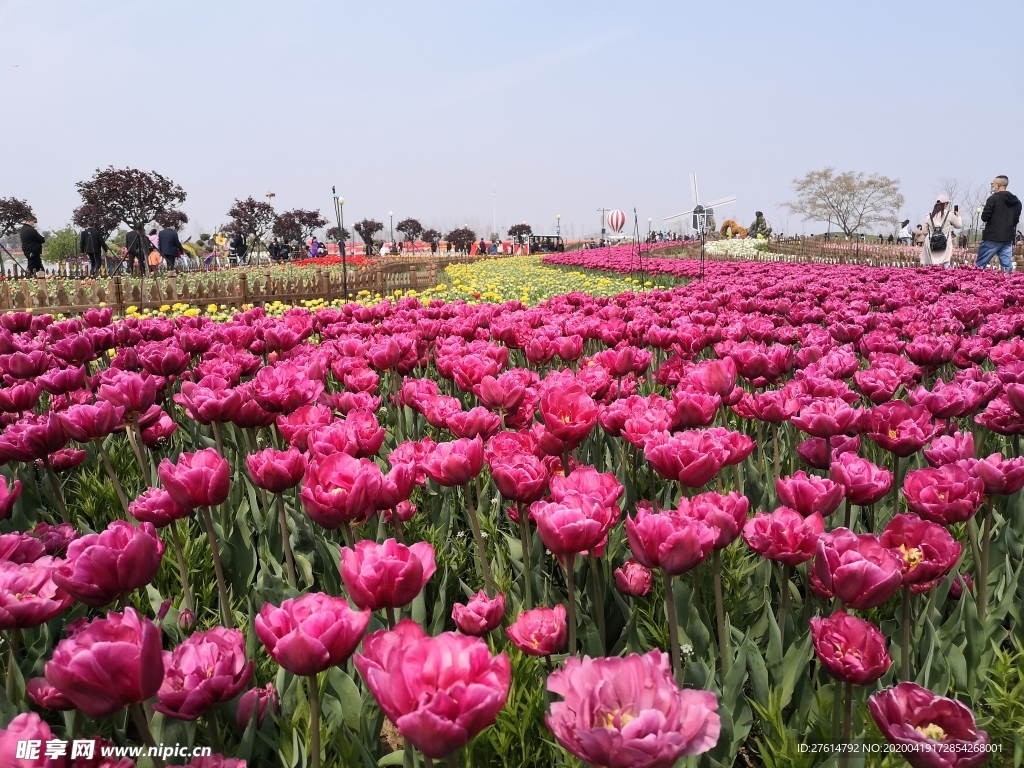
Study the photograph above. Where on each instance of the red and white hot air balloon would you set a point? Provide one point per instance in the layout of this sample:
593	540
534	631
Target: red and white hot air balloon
616	221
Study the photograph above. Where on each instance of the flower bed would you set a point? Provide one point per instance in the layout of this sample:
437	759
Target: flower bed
724	520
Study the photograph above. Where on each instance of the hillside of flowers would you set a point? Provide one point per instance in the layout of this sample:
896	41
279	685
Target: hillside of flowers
767	518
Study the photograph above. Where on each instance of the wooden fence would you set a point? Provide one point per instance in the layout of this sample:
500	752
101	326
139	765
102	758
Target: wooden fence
231	288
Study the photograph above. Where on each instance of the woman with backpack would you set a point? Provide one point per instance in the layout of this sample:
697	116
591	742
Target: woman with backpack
939	226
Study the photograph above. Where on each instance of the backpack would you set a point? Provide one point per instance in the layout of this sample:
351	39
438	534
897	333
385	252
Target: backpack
938	242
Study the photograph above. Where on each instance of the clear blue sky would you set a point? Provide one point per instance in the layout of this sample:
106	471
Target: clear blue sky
566	106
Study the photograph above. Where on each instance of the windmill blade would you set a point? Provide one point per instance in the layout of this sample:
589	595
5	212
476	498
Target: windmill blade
693	189
676	216
723	201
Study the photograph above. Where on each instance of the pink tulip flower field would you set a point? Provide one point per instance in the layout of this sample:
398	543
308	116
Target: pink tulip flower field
767	518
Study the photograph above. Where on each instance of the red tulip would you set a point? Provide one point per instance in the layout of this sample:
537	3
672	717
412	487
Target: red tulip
863	482
857	568
629	712
929	731
19	397
199	479
309	634
480	614
387	575
438	713
943	495
631	578
101	567
28	595
809	494
164	359
927	550
455	463
539	632
208	668
785	535
670	541
108	664
276	471
569	413
63	380
340	489
852	650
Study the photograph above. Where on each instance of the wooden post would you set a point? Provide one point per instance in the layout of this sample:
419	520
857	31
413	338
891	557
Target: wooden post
118	296
413	278
244	283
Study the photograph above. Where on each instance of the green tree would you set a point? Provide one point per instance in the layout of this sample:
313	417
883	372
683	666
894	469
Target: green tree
62	245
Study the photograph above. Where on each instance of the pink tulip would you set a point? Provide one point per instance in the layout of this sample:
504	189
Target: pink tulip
670	541
131	391
387	575
28	595
480	614
826	417
569	413
208	668
927	550
587	481
629	712
692	457
438	713
455	463
284	388
950	449
309	634
857	568
520	477
199	479
101	567
339	489
631	578
539	632
1002	477
26	727
809	494
21	548
944	495
55	538
46	696
812	450
577	524
297	425
108	664
257	701
8	495
276	471
863	482
785	535
156	506
850	649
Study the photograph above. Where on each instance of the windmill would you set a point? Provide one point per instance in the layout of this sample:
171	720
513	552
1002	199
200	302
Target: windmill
701	215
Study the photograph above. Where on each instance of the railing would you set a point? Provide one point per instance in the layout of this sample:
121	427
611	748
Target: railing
233	288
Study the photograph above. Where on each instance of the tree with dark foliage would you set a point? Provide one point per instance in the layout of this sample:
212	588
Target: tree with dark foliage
251	218
411	228
462	238
366	229
129	195
519	232
176	219
92	216
298	224
336	235
13	213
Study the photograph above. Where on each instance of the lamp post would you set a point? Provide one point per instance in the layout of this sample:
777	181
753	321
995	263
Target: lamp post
338	203
391	215
558	224
649	220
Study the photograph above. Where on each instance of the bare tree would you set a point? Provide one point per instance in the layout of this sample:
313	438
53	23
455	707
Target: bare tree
852	199
952	188
974	200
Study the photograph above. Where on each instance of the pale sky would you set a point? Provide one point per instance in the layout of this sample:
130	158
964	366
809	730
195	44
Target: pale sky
424	107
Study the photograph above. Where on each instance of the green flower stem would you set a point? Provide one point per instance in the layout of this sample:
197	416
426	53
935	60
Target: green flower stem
14	636
905	636
186	590
58	497
524	538
846	513
723	640
219	438
474	522
775	449
142	724
595	571
986	542
787	574
218	568
314	721
570	580
399	536
105	457
452	760
389	612
135	439
673	630
286	540
847	722
837	709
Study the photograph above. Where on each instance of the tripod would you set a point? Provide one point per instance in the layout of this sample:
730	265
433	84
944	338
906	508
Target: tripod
11	256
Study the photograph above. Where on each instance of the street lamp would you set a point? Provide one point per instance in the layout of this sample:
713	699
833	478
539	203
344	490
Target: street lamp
649	220
558	224
339	202
391	215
